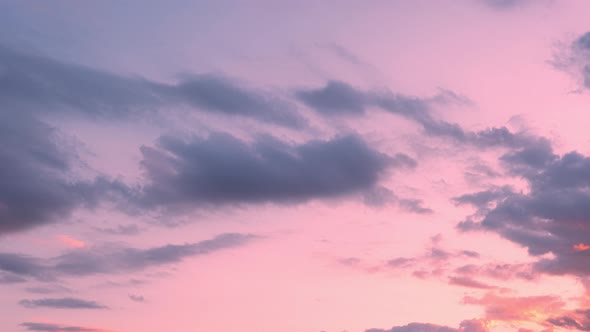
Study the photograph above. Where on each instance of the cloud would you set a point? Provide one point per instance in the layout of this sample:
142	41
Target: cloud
505	4
381	196
50	289
71	242
574	319
10	278
552	217
220	94
222	169
37	83
573	58
515	309
136	298
108	260
341	98
62	303
34	186
498	271
105	260
24	266
37	164
130	229
482	199
334	98
338	98
468	282
46	327
434	262
472	325
416	327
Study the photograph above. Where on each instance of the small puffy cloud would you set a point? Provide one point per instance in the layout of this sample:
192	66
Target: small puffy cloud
136	298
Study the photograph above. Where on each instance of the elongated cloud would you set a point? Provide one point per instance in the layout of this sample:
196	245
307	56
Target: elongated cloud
223	169
92	261
35	83
338	98
47	327
62	303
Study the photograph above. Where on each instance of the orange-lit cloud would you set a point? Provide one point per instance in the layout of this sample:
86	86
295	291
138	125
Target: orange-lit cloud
513	309
71	242
581	247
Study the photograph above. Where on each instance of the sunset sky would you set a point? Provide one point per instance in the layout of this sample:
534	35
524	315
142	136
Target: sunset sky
295	166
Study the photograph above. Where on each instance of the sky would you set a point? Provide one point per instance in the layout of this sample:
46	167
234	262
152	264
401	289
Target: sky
294	166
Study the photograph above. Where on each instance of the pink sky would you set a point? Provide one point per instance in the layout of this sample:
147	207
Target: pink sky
301	166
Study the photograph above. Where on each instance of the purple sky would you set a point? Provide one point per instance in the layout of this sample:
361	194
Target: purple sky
294	166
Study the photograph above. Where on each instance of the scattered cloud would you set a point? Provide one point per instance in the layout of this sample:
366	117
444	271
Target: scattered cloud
47	327
516	309
573	58
472	325
62	303
136	298
130	229
112	260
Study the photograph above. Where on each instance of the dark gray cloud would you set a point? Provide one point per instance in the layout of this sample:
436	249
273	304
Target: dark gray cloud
45	327
573	58
552	217
24	266
113	259
335	98
36	83
472	325
220	94
482	199
35	186
340	98
62	303
223	169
